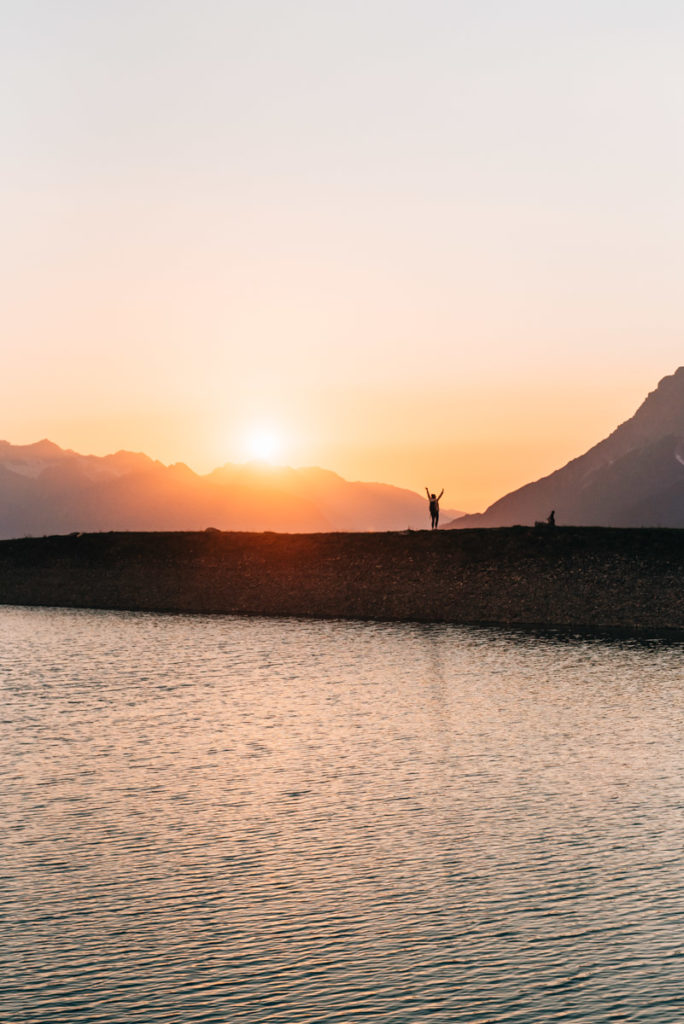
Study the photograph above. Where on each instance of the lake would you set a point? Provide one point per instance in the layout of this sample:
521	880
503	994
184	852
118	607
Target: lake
220	819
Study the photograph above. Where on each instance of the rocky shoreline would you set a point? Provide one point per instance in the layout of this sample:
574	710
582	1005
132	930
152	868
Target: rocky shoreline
567	577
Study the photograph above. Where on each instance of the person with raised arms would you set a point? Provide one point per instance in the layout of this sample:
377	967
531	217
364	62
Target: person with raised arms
434	506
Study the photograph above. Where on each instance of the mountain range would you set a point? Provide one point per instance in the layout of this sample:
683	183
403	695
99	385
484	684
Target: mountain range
634	477
45	489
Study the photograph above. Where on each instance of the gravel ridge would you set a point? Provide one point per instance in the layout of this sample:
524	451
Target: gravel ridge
578	577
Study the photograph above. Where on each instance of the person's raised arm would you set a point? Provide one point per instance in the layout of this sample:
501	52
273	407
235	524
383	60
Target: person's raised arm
441	493
427	491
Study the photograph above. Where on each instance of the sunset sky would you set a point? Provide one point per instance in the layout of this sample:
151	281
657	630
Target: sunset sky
417	242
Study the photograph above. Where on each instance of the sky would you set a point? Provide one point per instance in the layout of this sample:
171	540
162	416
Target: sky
423	242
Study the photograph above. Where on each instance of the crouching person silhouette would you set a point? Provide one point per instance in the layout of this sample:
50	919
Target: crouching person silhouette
434	506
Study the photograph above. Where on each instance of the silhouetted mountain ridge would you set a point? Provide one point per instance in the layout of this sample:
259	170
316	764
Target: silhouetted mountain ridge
634	477
45	489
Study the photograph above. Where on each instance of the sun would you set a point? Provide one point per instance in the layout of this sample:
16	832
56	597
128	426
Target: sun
264	444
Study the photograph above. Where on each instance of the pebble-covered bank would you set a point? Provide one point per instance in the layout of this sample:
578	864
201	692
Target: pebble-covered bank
565	577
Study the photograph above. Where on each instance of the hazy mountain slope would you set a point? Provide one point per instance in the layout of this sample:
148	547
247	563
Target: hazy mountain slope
45	489
635	477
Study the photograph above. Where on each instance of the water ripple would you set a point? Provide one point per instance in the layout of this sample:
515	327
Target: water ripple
215	819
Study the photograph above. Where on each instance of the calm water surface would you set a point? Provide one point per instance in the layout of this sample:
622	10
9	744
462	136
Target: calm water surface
219	819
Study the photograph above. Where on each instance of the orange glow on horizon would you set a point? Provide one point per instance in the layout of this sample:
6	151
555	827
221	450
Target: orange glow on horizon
478	441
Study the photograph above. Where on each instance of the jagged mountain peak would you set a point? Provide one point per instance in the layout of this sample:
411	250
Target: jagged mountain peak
43	449
663	409
634	477
660	415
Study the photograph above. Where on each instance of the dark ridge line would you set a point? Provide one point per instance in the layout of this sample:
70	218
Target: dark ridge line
591	580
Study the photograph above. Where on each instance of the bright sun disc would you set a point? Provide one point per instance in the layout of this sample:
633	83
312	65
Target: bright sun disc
263	444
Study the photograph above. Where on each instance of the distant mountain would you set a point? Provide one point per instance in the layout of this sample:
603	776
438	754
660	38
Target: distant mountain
45	489
635	477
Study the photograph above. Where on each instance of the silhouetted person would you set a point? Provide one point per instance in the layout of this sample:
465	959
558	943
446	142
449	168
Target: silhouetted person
434	506
552	518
